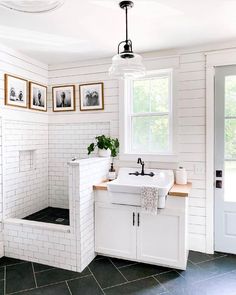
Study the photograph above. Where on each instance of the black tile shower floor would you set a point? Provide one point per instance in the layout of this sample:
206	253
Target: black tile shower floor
205	275
51	215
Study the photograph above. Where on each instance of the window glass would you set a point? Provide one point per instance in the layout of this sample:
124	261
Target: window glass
150	114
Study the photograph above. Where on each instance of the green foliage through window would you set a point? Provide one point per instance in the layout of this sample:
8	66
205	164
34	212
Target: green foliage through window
150	115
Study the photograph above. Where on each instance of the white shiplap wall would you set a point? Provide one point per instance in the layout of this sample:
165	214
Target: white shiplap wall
189	96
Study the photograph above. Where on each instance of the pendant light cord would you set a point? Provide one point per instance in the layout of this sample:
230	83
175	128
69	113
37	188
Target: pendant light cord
126	17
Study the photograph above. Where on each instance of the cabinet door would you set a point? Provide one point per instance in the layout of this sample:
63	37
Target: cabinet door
161	239
115	230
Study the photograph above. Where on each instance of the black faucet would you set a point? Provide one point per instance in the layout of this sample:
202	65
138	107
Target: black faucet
142	164
142	172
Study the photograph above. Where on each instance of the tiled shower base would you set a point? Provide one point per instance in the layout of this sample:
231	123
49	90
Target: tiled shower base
51	215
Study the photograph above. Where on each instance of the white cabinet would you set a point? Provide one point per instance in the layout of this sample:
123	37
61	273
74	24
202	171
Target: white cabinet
125	232
115	230
161	238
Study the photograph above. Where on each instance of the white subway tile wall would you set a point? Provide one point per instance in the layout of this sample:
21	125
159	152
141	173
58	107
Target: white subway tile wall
43	244
69	247
25	183
67	141
83	175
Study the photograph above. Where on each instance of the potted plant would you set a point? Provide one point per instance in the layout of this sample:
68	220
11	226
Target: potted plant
107	146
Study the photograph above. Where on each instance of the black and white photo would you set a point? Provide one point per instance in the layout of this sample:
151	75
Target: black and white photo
38	96
15	91
63	98
91	97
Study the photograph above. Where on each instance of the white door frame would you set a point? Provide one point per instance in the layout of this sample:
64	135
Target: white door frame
213	59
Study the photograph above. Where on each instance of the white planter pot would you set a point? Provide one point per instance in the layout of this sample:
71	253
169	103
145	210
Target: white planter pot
104	153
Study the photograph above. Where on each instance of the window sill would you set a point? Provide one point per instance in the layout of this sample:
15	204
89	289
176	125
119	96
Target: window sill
164	158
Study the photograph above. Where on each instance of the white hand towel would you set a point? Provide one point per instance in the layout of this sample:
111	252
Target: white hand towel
149	199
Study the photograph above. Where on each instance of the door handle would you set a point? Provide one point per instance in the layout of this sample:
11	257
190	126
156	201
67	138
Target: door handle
133	219
219	184
138	219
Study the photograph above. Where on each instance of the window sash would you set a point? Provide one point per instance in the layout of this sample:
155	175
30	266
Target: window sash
130	114
145	149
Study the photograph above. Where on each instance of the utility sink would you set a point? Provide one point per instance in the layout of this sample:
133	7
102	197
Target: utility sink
126	188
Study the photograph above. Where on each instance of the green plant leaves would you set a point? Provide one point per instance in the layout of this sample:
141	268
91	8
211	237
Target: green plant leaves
103	142
91	148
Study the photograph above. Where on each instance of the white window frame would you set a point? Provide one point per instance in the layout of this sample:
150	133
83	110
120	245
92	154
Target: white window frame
125	122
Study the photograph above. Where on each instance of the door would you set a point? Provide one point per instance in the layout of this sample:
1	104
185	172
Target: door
115	230
225	159
156	244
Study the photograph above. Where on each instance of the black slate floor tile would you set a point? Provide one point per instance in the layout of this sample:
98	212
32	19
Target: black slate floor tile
57	275
172	281
41	267
140	270
105	273
9	261
148	286
206	275
86	285
2	283
219	265
58	289
121	262
194	273
221	285
191	290
99	257
19	277
2	273
197	257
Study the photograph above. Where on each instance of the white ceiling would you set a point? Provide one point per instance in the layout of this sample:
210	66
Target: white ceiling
85	29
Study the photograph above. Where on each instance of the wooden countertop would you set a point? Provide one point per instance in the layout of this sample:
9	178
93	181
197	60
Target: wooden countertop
177	190
180	190
101	186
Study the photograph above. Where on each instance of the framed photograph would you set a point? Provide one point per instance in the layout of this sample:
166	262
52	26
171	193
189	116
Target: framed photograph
38	97
91	97
63	98
15	91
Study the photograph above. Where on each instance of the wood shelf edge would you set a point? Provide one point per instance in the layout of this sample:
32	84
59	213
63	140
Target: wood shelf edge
101	186
180	190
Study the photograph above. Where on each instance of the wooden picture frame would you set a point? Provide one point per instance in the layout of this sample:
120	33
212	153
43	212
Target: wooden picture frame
16	91
91	96
63	98
37	97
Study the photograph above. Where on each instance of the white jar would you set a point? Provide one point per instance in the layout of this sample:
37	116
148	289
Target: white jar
181	176
104	153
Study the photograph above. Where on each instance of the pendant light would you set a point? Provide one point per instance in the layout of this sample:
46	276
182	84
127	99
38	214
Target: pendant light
126	64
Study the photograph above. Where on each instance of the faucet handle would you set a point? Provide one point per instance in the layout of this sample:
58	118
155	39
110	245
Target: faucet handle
140	161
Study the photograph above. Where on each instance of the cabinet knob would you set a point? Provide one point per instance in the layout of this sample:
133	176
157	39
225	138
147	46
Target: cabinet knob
133	219
138	219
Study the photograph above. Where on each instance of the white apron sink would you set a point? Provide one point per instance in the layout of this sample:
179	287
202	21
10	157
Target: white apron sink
126	188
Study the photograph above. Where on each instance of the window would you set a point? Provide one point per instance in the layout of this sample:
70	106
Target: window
148	114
